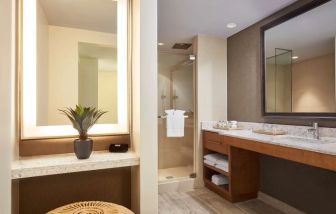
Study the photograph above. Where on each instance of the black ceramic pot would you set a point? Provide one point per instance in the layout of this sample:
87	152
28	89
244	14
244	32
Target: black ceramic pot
83	148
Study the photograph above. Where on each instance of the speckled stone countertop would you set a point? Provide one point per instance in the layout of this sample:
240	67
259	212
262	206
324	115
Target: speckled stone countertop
293	131
35	166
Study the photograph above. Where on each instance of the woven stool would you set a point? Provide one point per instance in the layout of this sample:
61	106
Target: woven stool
91	207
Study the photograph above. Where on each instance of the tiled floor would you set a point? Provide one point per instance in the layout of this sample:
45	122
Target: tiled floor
176	172
203	201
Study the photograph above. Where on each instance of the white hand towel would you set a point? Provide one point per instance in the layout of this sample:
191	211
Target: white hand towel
179	123
175	123
170	123
209	162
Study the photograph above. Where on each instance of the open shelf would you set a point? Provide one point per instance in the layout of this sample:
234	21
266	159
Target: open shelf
222	190
217	170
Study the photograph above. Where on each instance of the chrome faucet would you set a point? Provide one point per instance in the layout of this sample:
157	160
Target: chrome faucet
315	131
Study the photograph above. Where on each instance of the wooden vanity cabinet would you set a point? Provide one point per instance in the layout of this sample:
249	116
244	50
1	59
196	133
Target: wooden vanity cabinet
243	169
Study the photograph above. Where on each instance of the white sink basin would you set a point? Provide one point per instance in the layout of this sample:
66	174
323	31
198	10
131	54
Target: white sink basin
296	139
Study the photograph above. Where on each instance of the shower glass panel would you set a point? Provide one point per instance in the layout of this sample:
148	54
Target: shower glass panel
279	81
175	91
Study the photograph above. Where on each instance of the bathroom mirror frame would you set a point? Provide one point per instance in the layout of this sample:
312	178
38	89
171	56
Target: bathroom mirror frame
298	115
26	106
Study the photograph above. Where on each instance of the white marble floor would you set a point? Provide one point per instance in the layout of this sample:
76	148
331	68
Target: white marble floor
203	201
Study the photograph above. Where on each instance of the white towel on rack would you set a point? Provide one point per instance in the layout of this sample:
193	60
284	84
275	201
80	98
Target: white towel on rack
175	123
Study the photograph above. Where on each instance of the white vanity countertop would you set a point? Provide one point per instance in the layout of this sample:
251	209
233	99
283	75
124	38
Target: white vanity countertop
35	166
325	148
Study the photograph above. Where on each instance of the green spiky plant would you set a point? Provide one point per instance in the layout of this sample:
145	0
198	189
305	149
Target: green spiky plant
83	118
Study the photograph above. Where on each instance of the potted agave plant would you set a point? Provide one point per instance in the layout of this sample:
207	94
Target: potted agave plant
82	119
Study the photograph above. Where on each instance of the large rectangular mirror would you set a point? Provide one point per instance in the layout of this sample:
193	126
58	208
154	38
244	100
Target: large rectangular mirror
73	52
299	62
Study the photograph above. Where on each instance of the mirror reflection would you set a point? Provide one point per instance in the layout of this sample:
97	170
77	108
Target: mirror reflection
76	58
300	62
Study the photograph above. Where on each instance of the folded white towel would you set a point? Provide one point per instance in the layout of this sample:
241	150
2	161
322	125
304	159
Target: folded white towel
219	179
209	162
218	159
214	157
222	161
223	167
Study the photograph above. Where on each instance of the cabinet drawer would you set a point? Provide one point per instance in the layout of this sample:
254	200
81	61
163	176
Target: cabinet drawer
214	142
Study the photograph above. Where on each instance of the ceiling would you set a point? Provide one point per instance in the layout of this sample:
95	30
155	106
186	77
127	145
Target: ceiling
181	20
95	15
309	35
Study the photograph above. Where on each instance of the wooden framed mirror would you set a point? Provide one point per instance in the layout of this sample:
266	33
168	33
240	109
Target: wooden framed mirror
298	63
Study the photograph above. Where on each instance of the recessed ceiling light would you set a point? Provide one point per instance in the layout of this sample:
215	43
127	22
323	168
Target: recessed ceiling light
160	44
295	57
231	25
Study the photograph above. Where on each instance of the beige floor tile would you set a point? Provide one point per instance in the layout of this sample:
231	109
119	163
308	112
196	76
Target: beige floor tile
203	201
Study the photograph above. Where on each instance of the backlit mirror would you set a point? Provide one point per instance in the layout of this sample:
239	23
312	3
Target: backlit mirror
73	52
299	62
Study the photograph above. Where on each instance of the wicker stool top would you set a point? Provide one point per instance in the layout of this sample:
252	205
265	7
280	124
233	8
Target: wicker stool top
91	207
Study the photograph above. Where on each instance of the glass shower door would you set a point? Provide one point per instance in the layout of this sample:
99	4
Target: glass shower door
176	92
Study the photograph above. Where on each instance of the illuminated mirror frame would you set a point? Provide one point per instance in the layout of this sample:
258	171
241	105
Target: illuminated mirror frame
27	76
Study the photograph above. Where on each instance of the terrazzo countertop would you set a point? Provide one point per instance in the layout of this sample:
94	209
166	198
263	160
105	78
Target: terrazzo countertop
298	132
35	166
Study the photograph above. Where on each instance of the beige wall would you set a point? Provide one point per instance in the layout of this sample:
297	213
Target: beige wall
211	86
107	88
278	88
7	107
314	85
144	106
63	66
88	81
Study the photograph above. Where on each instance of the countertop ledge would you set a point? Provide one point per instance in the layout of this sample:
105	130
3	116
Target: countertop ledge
35	166
329	149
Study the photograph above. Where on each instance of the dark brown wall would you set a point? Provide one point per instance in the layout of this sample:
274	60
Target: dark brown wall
41	194
307	188
244	76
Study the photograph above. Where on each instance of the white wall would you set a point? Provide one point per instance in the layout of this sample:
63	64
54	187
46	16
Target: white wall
7	108
211	83
144	110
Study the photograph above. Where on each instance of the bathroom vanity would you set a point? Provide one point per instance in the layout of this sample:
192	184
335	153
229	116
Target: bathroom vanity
243	148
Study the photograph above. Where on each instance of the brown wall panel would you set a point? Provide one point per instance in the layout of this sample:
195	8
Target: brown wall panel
66	145
41	194
307	188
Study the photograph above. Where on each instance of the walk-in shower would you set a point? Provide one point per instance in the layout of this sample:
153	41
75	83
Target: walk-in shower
176	92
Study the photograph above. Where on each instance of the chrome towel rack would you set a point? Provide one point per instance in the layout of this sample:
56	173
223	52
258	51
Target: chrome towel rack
185	116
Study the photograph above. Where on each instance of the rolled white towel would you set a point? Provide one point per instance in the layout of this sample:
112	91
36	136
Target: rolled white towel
209	162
